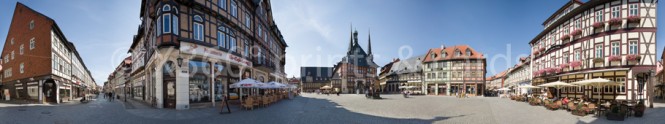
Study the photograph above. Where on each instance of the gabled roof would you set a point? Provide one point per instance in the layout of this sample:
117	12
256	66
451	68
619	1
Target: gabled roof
569	3
410	65
450	51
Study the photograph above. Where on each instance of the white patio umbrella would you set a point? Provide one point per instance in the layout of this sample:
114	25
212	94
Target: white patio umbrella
326	87
528	87
406	87
277	84
557	85
246	83
504	90
596	82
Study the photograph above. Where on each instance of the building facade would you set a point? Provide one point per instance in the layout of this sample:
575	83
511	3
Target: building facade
498	81
520	75
356	73
196	49
294	81
313	78
611	39
39	63
453	70
406	73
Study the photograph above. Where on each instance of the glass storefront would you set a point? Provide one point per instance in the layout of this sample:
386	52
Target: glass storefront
199	82
219	86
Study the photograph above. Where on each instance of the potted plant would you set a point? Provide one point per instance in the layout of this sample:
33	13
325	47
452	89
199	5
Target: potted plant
633	57
579	110
614	58
616	113
576	32
633	19
639	109
565	37
614	21
598	25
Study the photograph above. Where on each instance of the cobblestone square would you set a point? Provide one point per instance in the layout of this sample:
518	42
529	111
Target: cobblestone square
318	108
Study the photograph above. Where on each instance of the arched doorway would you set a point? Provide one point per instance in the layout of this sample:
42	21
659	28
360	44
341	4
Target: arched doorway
49	90
169	85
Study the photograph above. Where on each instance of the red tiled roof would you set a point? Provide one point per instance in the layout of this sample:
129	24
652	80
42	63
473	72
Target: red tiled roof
450	51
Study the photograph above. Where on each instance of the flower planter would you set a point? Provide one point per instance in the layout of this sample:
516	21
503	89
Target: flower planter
614	22
633	19
633	57
541	49
614	58
576	64
576	32
599	25
598	60
565	37
564	65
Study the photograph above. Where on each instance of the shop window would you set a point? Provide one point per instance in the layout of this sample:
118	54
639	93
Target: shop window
199	82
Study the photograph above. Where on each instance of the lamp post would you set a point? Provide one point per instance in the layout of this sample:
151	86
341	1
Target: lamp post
650	92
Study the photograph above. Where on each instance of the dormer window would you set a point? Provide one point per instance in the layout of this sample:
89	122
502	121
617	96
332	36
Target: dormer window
458	53
432	55
468	52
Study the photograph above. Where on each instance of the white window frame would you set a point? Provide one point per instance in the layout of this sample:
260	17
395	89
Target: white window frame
32	24
21	66
221	4
633	9
198	28
633	47
616	12
234	9
248	20
20	49
599	16
599	51
166	22
32	43
616	48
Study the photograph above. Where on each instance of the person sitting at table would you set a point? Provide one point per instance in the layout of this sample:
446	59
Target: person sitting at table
565	100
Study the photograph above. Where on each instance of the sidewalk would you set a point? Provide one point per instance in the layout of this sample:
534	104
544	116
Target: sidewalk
13	103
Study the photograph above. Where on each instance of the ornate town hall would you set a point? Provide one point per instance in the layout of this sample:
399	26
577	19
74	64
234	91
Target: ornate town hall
357	70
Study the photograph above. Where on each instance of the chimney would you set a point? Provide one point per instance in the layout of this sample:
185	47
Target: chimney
443	46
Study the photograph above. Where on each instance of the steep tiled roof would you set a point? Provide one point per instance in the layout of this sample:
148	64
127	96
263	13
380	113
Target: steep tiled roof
410	65
450	53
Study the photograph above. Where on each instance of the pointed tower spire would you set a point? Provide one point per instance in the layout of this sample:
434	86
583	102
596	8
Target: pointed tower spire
350	39
369	42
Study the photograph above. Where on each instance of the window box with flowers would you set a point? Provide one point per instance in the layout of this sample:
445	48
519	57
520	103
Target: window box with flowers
598	60
564	66
614	22
598	25
536	52
633	57
614	58
542	49
633	19
565	37
576	64
576	32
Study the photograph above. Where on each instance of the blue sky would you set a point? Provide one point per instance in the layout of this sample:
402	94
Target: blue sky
317	31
